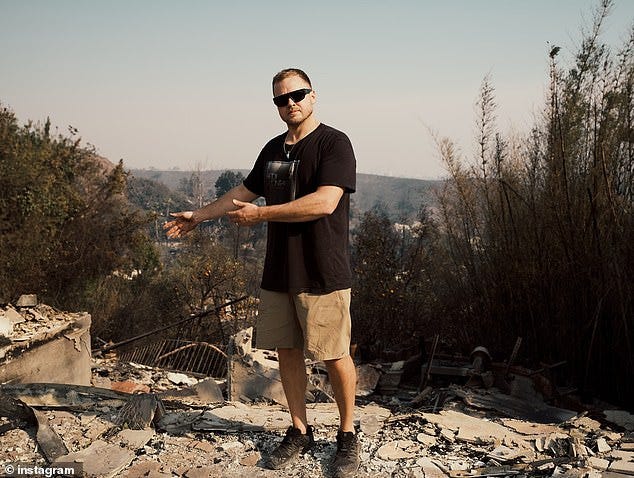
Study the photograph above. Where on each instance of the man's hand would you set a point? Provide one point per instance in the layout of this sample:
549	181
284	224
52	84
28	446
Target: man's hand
180	226
247	213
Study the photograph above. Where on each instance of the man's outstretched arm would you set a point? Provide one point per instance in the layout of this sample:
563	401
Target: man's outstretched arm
187	220
313	206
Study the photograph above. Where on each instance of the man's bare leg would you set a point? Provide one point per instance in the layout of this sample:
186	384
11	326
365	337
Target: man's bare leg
343	378
294	381
299	438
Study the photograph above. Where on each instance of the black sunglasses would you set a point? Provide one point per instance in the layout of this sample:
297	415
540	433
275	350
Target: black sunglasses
296	96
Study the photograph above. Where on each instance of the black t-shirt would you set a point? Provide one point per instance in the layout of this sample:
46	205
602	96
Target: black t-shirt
308	256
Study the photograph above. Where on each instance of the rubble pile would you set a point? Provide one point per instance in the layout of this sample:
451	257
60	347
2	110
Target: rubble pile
194	437
41	344
22	325
134	420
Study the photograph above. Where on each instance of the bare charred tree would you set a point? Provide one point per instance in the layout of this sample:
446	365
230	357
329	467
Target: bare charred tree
391	282
538	234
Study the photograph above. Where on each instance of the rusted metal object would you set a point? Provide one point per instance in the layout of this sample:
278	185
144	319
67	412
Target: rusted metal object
199	315
198	358
513	356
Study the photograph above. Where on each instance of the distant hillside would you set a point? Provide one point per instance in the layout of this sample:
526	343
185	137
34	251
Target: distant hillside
399	197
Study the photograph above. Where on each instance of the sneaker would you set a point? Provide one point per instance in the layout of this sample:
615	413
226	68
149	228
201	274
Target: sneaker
347	459
293	444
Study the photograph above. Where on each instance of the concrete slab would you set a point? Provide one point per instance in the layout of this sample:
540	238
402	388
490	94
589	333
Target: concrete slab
238	417
622	466
13	315
27	300
100	459
471	429
134	439
50	356
530	428
6	326
208	391
430	469
398	450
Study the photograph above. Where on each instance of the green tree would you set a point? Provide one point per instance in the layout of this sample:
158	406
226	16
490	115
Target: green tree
226	181
157	201
64	219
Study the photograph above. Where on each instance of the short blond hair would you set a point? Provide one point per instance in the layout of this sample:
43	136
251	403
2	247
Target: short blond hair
291	72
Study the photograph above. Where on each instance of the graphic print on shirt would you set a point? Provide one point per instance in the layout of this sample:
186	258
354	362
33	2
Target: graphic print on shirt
280	181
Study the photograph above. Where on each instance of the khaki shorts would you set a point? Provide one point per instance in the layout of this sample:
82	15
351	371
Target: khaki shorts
317	323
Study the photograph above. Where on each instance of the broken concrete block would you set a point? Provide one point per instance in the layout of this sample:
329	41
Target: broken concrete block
602	445
259	380
27	300
622	455
430	469
458	465
50	357
598	463
540	443
13	315
208	391
503	454
101	382
530	428
397	450
586	423
100	459
181	379
232	446
426	439
251	459
200	472
448	435
6	326
622	466
204	446
144	468
134	439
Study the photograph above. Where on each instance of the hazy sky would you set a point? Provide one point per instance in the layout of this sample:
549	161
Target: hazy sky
187	83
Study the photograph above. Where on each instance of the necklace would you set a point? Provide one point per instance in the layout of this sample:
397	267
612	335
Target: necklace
287	153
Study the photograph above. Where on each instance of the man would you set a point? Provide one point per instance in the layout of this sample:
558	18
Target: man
306	176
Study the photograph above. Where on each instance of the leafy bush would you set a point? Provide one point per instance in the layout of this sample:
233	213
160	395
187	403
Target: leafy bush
64	219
